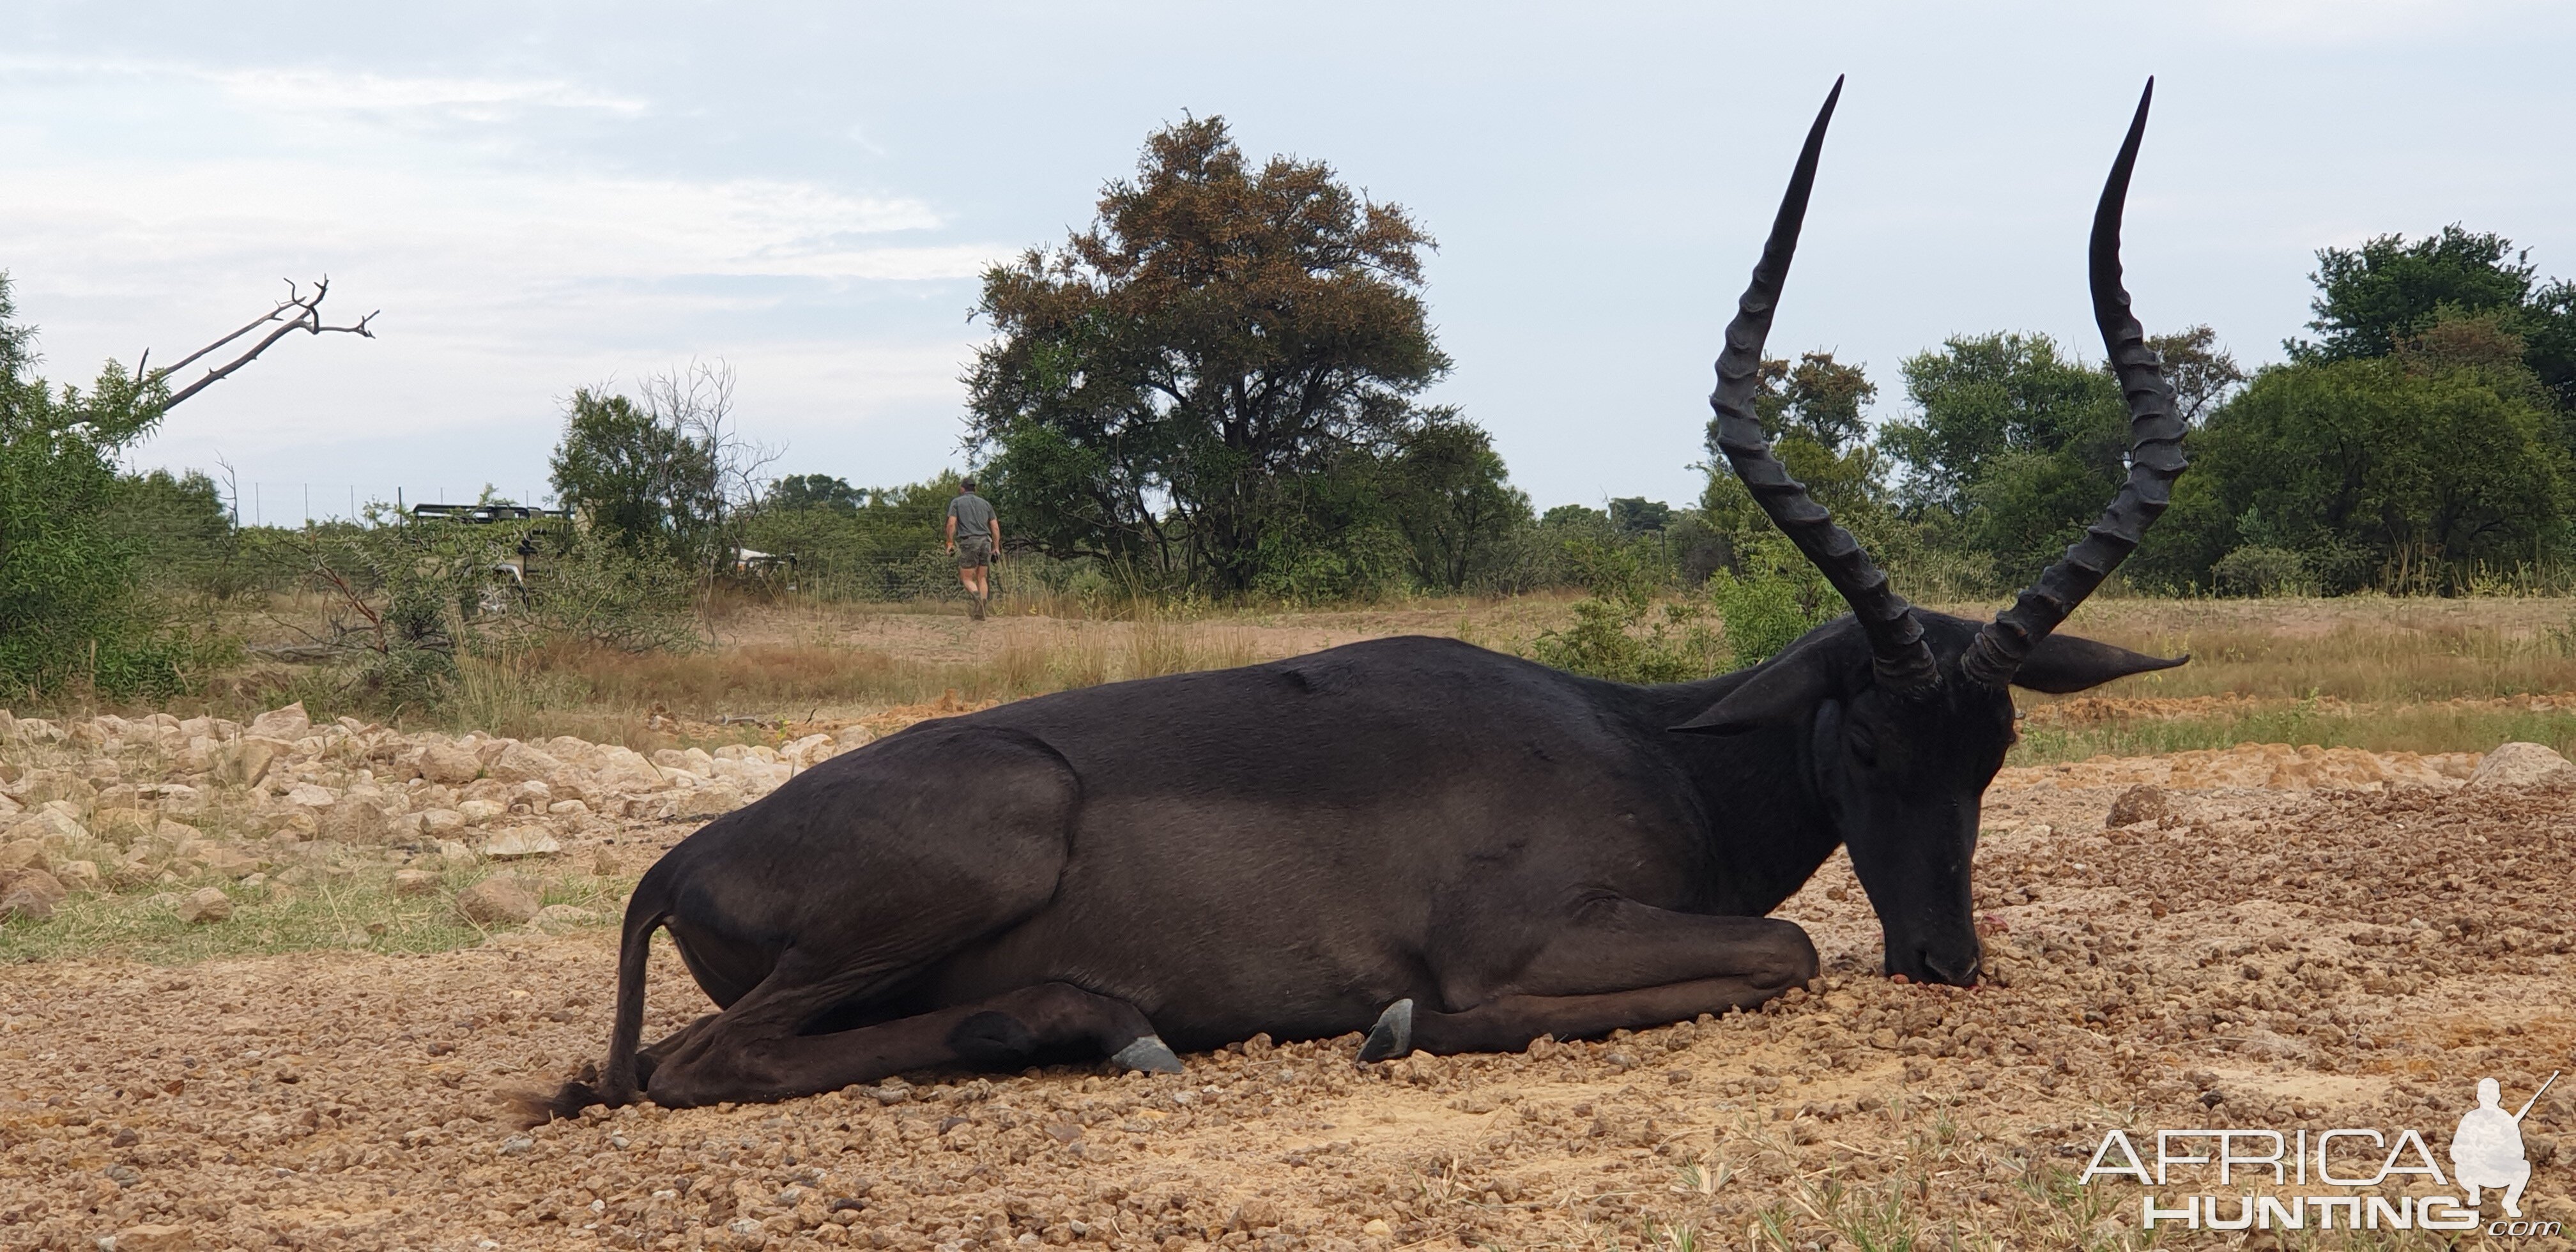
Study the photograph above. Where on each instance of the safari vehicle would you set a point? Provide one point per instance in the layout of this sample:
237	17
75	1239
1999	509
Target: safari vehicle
507	582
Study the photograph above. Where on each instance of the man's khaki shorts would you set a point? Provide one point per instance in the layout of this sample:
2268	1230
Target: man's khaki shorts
973	555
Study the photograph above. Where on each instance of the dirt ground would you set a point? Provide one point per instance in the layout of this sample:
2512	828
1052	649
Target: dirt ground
2295	940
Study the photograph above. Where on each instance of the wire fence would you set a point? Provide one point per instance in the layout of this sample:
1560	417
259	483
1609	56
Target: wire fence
260	502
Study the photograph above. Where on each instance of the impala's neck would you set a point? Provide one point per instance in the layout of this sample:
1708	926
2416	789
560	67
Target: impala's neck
1767	828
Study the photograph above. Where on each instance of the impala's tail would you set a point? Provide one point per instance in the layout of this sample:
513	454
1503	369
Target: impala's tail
646	910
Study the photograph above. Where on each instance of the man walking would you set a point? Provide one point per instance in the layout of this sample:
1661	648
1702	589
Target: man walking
974	534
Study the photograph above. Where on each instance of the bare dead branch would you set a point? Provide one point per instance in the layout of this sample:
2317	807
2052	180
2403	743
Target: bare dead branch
296	312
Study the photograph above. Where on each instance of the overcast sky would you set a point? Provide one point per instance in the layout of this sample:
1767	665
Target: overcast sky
542	196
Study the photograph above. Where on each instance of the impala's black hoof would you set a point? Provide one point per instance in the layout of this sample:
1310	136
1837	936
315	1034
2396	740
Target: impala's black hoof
1392	1036
1148	1055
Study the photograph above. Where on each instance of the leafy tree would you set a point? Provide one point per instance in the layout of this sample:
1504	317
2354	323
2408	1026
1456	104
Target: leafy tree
2016	447
1820	399
1449	494
814	491
2370	297
1162	385
69	609
872	543
667	476
640	478
180	519
1637	515
1814	413
2202	373
1982	396
2406	472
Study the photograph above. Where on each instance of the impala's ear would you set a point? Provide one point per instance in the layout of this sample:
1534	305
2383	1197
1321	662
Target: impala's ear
1773	695
2064	663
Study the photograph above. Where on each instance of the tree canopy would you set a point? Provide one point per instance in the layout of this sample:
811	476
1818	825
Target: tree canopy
1165	388
68	571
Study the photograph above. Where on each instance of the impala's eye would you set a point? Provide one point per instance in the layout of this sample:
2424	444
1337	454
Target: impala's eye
1864	745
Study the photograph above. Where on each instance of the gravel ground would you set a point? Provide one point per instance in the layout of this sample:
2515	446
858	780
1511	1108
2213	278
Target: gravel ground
2351	941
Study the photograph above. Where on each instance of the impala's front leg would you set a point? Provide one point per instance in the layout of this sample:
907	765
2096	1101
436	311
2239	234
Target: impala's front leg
1617	965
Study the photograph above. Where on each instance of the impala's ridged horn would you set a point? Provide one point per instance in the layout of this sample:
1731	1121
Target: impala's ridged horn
2155	452
1896	644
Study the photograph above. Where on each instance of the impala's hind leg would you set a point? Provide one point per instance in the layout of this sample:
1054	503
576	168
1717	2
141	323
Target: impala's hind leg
1618	965
757	1055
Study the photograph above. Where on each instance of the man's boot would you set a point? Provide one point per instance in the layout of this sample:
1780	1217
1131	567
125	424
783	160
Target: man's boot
975	607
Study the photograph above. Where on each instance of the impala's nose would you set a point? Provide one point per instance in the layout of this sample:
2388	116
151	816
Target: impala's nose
1956	969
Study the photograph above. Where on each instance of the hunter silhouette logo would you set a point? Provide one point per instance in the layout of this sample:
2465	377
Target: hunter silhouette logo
2486	1151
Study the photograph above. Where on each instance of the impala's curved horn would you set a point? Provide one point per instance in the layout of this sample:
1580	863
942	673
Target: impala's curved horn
2155	451
1896	642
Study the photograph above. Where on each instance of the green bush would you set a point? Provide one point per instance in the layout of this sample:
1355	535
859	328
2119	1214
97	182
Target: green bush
1621	633
2254	570
1776	597
72	609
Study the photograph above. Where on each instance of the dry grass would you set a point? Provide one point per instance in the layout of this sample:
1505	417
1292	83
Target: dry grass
2365	671
610	696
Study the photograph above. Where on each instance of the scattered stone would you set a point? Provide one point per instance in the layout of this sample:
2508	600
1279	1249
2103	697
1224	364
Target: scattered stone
154	1238
78	875
26	853
35	881
449	764
521	841
49	824
415	882
44	785
1377	1228
520	763
709	801
2145	802
502	900
228	862
310	796
119	825
477	812
2520	766
244	762
18	904
440	823
568	808
290	723
172	836
206	905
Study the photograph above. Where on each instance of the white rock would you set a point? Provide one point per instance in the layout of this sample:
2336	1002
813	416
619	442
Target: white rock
517	762
477	812
2517	766
521	841
309	796
47	823
438	823
289	723
707	801
450	764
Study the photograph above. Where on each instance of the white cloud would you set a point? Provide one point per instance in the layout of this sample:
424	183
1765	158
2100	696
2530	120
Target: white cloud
479	98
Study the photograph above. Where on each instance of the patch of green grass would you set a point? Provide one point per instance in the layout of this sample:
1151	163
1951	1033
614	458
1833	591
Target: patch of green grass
358	911
2421	728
